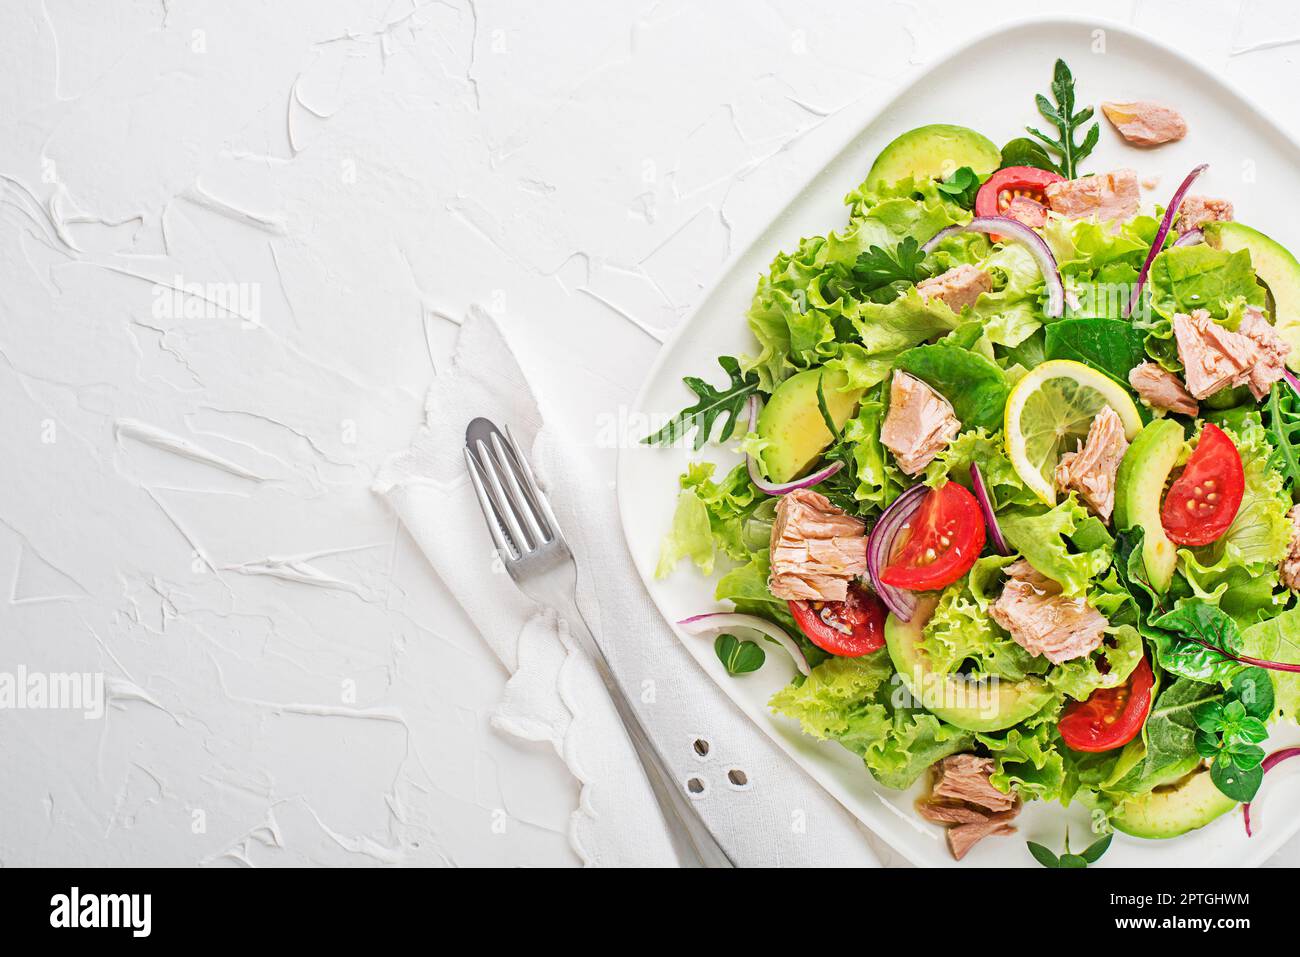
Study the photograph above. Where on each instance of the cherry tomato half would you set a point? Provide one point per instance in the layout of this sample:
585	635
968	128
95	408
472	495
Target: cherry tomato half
947	534
849	628
1003	186
1203	501
1110	717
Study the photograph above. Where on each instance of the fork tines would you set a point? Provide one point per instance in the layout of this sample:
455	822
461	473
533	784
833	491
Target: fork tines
518	514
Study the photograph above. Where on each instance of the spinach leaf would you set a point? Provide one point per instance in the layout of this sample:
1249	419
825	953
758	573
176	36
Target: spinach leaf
974	385
1169	736
1023	151
713	403
1067	122
1111	346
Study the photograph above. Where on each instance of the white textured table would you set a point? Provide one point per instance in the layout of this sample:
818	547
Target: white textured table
235	239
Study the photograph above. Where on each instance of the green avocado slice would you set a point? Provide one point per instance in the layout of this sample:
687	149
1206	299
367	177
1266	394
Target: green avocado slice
1276	266
934	152
1139	488
1172	809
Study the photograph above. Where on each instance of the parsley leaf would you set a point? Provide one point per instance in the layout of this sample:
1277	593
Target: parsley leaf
714	403
877	267
739	657
1067	123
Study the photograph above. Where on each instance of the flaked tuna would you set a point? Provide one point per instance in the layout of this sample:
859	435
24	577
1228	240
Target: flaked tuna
1028	211
1144	123
1161	389
1196	211
1091	470
920	423
963	837
1103	197
1290	567
816	548
965	777
1042	620
1214	357
959	287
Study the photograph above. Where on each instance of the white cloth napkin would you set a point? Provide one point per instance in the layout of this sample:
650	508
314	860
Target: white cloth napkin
778	817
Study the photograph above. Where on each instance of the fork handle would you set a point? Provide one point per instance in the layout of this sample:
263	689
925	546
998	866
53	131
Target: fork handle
691	839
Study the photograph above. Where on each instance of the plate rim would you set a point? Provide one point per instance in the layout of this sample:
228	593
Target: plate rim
866	118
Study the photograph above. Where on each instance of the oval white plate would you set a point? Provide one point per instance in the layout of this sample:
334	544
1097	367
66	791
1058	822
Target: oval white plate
987	85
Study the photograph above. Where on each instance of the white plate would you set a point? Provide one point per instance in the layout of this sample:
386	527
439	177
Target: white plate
988	85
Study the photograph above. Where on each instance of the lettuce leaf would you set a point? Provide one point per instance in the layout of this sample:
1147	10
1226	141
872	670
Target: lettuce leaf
1184	278
916	740
1000	477
1028	758
1279	640
1121	651
961	635
689	536
1043	538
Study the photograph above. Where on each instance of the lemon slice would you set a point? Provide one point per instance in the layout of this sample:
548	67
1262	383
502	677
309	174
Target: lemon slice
1049	412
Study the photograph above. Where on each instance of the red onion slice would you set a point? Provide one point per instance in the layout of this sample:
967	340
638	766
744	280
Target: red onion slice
780	488
1007	228
986	506
711	623
1277	757
880	545
1193	237
1167	221
1292	381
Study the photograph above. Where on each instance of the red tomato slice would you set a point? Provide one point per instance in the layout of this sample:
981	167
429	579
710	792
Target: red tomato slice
1111	717
947	535
849	628
1003	186
1203	501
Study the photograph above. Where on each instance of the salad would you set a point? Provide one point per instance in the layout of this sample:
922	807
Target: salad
1020	452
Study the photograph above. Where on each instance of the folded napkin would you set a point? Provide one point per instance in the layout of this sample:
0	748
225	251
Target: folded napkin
778	816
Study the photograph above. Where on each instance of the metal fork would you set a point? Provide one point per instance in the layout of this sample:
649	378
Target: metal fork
534	552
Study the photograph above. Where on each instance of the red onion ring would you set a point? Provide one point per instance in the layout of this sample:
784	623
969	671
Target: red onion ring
880	545
780	488
1193	237
1007	228
986	506
1165	223
1292	381
1277	757
713	622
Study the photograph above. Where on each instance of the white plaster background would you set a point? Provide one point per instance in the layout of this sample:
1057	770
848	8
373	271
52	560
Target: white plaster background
185	499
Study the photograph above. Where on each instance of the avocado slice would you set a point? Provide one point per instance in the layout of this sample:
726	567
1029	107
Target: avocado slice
1276	266
1139	487
973	705
934	152
792	421
1172	809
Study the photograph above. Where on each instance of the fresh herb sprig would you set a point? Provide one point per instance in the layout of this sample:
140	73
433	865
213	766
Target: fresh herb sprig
1049	858
961	186
1230	729
1067	123
1282	415
738	657
714	403
879	267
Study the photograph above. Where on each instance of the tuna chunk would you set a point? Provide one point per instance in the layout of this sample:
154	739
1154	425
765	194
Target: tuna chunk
1196	211
1161	389
1290	567
920	423
1102	197
1042	620
965	777
1091	470
1214	357
964	798
959	287
962	837
816	548
1025	210
1271	362
1144	123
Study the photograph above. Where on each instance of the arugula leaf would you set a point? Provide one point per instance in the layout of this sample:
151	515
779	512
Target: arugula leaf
1283	420
739	657
962	186
1023	151
1067	122
878	267
1111	346
714	403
